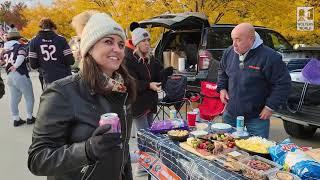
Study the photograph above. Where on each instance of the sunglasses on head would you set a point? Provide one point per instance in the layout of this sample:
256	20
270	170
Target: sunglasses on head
241	64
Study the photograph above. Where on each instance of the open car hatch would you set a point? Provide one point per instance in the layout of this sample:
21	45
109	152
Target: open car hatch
180	21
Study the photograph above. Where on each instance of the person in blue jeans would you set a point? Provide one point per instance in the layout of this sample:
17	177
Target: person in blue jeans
18	80
146	71
253	81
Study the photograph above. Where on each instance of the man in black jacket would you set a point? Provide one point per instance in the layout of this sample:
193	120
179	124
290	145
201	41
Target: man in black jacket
253	81
50	52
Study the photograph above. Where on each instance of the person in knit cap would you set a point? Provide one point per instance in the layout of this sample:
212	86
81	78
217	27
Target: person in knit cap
69	142
18	80
129	45
146	70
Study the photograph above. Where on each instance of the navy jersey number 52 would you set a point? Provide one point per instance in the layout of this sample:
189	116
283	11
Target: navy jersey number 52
48	52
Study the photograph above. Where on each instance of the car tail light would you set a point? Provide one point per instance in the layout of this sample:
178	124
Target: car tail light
204	59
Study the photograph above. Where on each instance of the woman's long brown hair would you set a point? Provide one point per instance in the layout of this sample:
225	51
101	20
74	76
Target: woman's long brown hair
96	81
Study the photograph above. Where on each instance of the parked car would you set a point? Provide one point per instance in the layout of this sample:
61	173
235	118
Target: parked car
191	37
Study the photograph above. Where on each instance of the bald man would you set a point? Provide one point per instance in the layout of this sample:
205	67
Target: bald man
253	81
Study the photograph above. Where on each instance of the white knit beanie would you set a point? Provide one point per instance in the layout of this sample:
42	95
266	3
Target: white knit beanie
98	26
138	35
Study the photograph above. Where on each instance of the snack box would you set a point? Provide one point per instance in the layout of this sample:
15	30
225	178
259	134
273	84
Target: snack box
229	163
236	154
254	173
283	175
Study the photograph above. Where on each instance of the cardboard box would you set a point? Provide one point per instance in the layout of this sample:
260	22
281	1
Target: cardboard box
166	59
175	55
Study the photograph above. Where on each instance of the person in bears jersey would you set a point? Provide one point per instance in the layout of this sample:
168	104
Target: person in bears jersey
50	52
18	80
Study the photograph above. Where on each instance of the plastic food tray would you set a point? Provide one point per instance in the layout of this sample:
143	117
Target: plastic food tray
256	173
274	177
221	160
243	155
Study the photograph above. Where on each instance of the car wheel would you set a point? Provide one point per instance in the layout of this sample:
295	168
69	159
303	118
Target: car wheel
298	130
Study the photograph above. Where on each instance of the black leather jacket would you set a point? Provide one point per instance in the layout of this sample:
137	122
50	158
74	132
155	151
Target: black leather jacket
144	73
68	114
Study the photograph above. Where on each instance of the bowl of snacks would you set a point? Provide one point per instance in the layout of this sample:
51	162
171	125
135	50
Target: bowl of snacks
255	146
178	135
198	133
221	127
202	126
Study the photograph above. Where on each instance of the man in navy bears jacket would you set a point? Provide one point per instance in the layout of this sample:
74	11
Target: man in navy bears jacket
253	81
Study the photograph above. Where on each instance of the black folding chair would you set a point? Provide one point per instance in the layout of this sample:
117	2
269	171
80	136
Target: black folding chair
175	92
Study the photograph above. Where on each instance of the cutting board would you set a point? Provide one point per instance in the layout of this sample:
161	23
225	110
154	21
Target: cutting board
186	147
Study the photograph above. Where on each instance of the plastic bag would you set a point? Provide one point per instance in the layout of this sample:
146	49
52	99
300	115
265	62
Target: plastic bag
167	125
293	158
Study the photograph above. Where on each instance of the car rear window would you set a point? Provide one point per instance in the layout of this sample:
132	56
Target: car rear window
219	38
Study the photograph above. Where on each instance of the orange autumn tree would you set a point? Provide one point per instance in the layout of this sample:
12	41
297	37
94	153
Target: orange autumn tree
275	14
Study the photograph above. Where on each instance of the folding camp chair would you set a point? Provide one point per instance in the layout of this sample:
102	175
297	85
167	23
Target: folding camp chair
211	105
175	91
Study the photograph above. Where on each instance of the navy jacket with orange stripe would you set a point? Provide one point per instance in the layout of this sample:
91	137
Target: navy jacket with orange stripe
264	81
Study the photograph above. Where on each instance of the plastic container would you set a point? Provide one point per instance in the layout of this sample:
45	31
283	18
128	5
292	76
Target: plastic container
202	126
198	133
276	176
230	164
237	155
253	173
221	128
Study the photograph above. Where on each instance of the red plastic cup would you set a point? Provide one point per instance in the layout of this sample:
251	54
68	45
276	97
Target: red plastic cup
191	116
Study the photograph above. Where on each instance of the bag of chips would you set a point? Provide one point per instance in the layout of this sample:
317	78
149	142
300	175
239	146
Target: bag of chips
294	159
167	125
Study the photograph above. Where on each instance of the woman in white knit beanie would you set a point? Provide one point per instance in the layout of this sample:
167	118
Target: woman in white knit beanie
146	70
68	142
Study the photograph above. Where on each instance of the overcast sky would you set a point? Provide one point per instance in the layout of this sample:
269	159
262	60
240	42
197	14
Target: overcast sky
31	2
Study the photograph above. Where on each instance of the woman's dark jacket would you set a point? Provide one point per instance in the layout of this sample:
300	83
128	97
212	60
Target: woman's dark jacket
144	72
68	114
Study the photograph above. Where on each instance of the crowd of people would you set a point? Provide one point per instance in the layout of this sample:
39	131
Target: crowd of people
120	75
